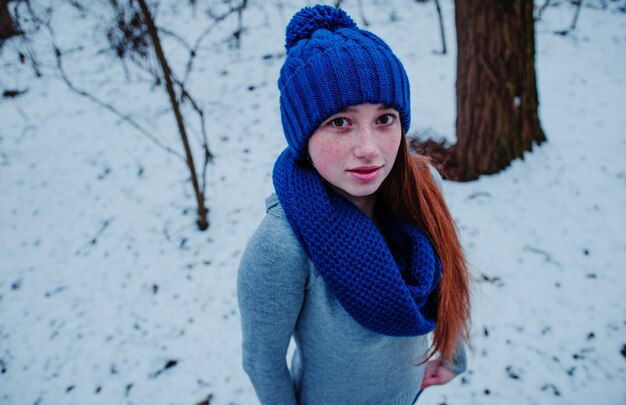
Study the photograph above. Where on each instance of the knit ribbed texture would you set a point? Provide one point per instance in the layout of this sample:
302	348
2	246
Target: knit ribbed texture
331	65
387	291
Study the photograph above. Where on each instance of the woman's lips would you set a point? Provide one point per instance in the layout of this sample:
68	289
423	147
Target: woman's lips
365	173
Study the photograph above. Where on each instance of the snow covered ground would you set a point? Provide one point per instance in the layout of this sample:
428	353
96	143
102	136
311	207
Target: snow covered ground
109	294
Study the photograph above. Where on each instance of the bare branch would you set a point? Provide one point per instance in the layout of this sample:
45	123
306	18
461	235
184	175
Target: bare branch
542	9
576	14
217	19
94	239
202	222
107	106
237	34
443	33
208	156
177	37
572	26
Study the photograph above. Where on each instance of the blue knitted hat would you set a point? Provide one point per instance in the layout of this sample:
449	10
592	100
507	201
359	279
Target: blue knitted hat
332	65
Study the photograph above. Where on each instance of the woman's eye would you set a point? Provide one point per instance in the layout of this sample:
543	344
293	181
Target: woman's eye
386	119
339	122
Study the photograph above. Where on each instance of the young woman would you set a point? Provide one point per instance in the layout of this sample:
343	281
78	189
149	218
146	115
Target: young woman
357	258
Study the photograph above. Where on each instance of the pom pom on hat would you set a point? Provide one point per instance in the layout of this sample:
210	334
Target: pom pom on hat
331	65
308	20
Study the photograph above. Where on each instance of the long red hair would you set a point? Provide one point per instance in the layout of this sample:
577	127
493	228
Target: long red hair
411	192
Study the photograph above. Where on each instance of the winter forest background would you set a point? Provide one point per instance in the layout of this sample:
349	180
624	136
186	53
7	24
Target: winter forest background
110	292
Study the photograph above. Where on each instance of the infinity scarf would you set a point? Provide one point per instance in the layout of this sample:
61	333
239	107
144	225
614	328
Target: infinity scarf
385	285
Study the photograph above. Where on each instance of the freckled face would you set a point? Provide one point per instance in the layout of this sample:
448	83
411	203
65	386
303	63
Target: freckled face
355	149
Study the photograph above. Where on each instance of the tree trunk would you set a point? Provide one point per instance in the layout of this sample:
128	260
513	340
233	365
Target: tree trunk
7	27
496	88
202	221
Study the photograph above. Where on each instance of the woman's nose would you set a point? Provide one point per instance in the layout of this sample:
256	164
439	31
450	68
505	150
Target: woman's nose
365	143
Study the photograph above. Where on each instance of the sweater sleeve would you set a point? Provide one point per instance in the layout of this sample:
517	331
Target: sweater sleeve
270	287
459	360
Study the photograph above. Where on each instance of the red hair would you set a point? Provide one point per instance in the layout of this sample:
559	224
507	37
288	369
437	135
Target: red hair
411	192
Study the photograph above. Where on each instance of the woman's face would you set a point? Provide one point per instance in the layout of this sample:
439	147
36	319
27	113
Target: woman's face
355	149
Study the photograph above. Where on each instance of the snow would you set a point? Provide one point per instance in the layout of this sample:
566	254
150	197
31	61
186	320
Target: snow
105	281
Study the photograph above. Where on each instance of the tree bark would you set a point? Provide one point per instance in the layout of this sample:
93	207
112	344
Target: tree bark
7	26
203	222
497	103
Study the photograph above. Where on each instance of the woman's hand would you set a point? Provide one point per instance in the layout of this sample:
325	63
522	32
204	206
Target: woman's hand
436	374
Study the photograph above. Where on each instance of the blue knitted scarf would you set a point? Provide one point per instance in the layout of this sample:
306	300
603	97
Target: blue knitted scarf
386	283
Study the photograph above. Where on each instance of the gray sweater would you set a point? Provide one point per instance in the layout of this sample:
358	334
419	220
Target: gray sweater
336	361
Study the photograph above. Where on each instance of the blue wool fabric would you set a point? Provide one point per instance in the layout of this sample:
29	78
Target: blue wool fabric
331	65
387	285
